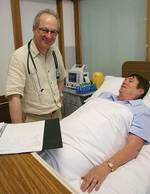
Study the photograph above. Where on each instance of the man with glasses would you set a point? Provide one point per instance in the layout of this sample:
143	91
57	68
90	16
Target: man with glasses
36	73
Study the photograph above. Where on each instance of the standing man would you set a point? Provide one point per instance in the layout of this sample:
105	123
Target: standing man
36	73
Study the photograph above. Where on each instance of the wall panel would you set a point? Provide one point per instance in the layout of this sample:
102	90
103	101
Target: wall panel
113	32
69	33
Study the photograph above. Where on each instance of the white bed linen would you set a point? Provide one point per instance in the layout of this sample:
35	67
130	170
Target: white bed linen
131	178
98	132
100	123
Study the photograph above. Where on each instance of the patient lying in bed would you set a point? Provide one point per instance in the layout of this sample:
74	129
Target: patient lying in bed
102	135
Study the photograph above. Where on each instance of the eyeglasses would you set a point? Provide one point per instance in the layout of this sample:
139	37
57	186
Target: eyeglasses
45	30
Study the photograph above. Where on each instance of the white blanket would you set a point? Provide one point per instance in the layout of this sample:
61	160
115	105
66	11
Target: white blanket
98	129
131	178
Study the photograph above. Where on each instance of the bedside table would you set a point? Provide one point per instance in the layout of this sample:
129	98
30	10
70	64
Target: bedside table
72	101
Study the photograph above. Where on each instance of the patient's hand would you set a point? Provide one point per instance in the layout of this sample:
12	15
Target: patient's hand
94	178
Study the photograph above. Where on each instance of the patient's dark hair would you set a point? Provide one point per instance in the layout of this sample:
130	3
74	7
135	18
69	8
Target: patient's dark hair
143	83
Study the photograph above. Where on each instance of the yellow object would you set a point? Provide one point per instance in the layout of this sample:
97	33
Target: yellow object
97	79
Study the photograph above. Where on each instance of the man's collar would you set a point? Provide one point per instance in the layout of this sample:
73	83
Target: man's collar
135	102
111	96
34	49
131	102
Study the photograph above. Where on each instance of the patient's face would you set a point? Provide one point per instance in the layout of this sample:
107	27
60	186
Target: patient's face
129	88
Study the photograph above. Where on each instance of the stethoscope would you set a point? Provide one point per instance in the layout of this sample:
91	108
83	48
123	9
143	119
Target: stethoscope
31	57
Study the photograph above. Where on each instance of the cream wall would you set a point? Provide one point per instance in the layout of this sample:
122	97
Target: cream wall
33	7
6	42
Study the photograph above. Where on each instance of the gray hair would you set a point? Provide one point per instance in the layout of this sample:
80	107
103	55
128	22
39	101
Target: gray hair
36	20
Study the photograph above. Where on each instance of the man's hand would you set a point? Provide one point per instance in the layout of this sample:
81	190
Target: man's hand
94	178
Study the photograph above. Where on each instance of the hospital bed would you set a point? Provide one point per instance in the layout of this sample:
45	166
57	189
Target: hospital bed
134	176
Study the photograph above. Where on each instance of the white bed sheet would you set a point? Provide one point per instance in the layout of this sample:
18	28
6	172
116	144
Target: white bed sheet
131	178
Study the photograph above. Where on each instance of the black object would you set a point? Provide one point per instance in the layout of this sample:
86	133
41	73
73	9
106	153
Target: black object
52	135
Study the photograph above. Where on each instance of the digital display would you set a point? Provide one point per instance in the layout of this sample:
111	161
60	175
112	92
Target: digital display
72	77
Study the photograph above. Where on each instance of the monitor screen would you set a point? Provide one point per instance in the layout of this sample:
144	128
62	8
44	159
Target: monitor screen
72	77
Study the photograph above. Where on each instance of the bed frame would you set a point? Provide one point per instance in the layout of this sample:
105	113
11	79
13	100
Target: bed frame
140	67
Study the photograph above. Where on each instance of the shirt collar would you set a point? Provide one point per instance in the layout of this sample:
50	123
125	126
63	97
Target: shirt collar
110	96
131	102
34	49
135	102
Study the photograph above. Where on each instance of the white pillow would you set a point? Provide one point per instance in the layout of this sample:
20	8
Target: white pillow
112	84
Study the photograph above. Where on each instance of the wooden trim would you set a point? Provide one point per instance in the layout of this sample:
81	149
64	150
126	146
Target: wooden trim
140	67
148	32
25	174
16	20
77	31
61	33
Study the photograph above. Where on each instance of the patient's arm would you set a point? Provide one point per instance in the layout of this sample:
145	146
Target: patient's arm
96	175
